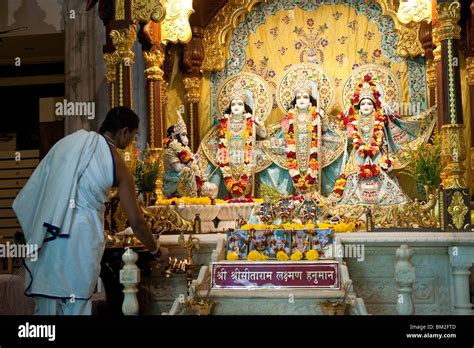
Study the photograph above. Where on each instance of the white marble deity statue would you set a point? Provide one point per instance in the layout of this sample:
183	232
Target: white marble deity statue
373	138
305	147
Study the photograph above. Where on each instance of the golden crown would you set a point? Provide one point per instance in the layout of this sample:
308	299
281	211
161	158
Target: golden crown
238	92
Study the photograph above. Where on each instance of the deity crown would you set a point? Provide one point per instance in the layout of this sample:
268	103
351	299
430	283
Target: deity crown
302	86
238	92
180	126
366	92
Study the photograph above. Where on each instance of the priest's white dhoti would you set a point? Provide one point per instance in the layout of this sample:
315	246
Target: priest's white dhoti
61	210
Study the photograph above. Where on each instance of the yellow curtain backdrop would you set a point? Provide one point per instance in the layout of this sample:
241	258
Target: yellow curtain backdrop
333	36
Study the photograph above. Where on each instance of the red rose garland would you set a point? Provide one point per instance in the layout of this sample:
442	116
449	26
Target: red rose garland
302	183
236	188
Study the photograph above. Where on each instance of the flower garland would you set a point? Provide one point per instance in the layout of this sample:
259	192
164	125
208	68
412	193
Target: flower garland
340	185
236	188
376	142
302	183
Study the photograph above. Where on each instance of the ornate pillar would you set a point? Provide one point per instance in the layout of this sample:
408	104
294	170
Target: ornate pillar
461	259
193	56
123	40
405	278
426	39
150	38
455	190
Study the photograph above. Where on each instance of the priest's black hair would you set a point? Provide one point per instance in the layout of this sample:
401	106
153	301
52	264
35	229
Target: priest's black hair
118	118
247	108
311	99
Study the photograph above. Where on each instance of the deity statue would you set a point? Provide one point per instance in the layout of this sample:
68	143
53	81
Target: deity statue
306	148
232	165
374	136
182	175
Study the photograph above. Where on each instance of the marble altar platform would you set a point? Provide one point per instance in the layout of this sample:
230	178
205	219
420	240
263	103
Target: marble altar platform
440	261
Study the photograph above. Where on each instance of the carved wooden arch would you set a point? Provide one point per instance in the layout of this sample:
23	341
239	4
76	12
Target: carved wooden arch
216	34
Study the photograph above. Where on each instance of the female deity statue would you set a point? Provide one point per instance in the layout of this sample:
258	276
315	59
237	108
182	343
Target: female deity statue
306	148
182	176
374	136
232	164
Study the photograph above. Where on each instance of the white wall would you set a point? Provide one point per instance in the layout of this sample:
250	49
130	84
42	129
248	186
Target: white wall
40	16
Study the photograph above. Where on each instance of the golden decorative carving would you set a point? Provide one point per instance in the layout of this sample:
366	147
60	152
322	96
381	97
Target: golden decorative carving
448	17
123	40
110	62
216	32
437	43
120	86
146	10
154	59
119	10
453	154
458	210
410	11
166	220
408	43
193	89
470	70
151	112
175	27
412	214
431	73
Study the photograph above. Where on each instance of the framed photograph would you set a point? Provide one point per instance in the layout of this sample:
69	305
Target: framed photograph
238	241
300	240
259	241
279	241
323	242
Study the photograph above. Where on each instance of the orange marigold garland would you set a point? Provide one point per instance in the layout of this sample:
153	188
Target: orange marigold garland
302	182
236	188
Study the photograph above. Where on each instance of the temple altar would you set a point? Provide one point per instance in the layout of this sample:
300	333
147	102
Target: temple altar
302	140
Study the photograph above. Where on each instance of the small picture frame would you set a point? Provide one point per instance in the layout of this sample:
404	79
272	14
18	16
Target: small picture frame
238	241
300	240
279	241
323	243
259	241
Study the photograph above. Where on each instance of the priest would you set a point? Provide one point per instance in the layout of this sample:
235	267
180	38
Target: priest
61	211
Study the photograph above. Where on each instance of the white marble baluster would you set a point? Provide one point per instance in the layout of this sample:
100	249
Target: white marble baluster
461	259
130	277
405	278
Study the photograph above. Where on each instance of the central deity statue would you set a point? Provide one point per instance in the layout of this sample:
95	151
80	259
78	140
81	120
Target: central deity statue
305	147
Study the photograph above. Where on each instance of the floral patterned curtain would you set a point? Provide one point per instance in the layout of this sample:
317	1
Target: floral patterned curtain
339	35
